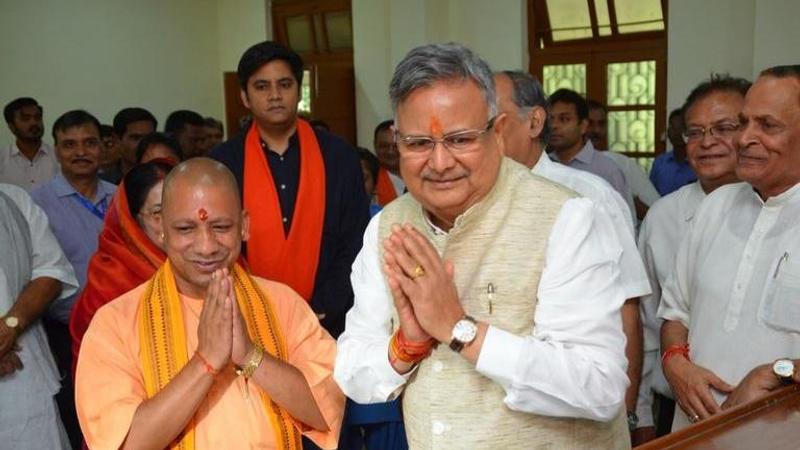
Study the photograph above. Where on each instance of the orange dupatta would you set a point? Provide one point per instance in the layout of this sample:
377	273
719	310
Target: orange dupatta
384	187
292	260
164	352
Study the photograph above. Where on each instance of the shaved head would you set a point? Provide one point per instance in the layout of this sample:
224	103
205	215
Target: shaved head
201	172
203	222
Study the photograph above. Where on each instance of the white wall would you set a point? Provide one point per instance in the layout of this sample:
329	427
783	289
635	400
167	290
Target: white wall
241	23
740	37
777	34
385	30
705	37
103	55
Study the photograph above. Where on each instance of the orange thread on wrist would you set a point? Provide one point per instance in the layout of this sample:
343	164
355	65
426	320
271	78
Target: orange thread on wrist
206	365
410	352
675	349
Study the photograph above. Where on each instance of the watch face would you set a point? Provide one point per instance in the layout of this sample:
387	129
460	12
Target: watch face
12	322
465	331
783	368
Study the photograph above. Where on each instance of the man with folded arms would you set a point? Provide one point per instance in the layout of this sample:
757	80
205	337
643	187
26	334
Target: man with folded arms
475	254
205	355
730	307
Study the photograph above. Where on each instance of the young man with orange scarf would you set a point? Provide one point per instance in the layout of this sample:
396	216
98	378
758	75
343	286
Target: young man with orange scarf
303	188
205	355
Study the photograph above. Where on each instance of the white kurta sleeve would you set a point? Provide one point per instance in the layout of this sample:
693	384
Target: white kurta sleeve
573	364
675	291
48	258
362	365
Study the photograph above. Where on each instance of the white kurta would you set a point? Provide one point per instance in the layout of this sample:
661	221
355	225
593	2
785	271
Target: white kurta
736	282
632	272
28	414
637	179
577	338
662	231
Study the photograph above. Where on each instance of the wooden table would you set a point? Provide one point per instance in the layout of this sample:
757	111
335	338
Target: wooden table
771	423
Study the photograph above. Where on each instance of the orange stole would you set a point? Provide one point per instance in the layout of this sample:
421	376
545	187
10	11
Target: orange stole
271	254
384	187
164	352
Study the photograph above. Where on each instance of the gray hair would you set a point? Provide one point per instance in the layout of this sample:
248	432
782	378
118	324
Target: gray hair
527	94
427	64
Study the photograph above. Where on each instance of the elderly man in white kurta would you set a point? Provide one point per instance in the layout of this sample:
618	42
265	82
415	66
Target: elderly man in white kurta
33	271
522	98
489	297
732	315
711	112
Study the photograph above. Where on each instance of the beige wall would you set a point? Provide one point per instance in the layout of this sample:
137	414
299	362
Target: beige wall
385	30
102	55
740	37
777	34
241	23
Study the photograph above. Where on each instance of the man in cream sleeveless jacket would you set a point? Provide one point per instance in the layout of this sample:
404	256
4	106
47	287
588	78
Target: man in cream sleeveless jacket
489	298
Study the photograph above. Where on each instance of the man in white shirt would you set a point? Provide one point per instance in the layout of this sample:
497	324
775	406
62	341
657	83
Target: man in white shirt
643	191
475	254
731	311
712	117
521	98
33	272
27	162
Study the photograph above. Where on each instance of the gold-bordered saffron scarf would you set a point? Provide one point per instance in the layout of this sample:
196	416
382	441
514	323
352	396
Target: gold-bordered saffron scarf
163	354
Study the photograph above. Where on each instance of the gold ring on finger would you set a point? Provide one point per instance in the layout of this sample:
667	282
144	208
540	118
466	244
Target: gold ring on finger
694	418
419	271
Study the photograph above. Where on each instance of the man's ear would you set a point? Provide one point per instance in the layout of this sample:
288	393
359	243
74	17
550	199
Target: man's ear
245	225
537	118
499	123
497	130
245	100
583	125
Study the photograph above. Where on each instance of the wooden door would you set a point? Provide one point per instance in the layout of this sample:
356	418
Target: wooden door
235	111
334	99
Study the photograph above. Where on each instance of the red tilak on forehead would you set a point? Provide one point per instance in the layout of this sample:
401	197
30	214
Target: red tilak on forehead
436	126
202	214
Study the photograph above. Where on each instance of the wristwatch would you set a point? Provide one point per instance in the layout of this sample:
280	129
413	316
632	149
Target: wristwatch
784	370
11	322
464	332
633	421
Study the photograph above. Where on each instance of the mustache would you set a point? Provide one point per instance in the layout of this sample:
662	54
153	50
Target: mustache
429	175
744	153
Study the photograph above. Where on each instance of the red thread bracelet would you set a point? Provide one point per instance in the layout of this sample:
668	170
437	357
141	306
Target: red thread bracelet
675	349
206	365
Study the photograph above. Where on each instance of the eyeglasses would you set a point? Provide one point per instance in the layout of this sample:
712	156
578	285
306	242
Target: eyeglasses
458	143
153	211
720	130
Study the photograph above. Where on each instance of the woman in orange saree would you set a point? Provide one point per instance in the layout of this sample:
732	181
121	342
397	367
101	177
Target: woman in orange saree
127	252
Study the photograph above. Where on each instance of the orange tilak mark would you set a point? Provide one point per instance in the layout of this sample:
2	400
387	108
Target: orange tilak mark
202	214
436	126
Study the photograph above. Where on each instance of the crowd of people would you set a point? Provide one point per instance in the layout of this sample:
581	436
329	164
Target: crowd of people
490	275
